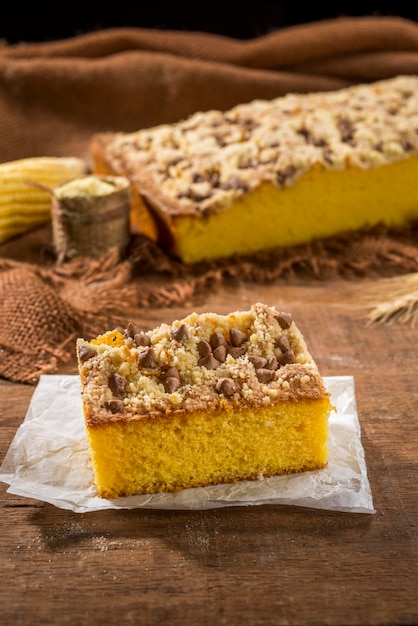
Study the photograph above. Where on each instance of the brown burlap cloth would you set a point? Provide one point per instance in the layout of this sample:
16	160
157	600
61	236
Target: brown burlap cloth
55	95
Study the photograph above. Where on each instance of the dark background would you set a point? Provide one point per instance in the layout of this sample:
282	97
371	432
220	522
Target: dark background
46	21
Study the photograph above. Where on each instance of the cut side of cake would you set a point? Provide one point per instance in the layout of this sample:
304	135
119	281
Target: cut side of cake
274	173
205	400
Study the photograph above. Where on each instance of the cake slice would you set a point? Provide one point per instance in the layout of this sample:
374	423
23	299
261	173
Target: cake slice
274	173
205	400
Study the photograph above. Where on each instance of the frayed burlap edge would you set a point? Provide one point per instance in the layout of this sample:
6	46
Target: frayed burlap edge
371	253
42	312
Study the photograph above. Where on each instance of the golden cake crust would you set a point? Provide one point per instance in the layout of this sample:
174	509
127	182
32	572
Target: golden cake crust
202	363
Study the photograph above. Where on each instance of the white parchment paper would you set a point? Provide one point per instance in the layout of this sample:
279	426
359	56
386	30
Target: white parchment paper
49	460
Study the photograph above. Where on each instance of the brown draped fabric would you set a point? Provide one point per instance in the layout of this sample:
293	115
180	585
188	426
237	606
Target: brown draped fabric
54	95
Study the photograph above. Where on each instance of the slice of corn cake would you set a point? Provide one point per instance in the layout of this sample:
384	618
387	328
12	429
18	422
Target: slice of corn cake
205	400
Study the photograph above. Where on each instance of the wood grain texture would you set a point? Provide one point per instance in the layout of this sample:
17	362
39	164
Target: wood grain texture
260	565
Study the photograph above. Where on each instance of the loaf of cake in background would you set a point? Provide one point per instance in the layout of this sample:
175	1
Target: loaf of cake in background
273	173
204	400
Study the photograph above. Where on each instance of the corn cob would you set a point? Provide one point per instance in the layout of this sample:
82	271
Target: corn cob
25	185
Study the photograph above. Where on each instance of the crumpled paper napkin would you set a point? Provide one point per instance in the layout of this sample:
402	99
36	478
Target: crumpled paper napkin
49	460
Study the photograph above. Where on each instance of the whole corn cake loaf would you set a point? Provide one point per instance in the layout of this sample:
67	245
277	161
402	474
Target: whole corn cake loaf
267	174
205	400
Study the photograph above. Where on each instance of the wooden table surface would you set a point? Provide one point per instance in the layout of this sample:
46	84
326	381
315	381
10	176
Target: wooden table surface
256	565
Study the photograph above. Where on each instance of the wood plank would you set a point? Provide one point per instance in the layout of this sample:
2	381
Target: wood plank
245	565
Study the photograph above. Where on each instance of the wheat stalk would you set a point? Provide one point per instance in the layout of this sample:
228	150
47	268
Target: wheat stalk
392	300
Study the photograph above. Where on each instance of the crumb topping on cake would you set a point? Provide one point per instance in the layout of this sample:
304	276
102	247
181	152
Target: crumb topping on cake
203	362
205	162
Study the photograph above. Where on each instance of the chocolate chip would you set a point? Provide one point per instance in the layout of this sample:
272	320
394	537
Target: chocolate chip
283	176
117	385
214	179
131	330
171	379
305	133
236	351
211	177
237	337
114	406
86	352
265	375
406	145
180	334
283	343
234	183
249	123
319	142
147	358
218	339
174	161
220	353
346	129
286	357
220	140
204	348
272	363
171	383
141	339
209	362
183	194
172	372
194	195
284	319
328	155
258	361
226	386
